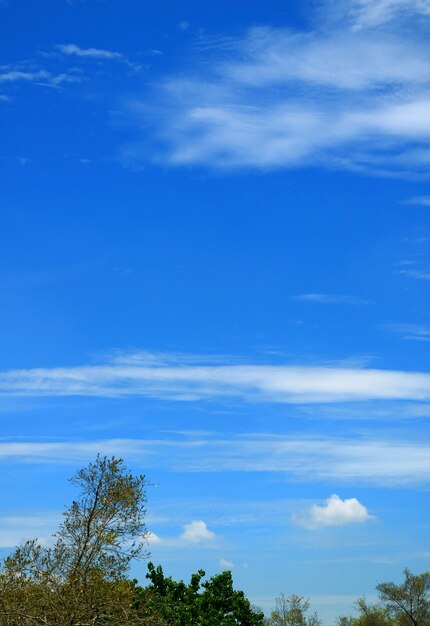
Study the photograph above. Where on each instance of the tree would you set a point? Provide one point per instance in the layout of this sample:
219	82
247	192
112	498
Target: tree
80	580
408	602
292	611
210	603
368	615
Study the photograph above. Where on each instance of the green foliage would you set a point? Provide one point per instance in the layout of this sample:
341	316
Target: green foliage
210	603
292	611
408	603
80	580
371	614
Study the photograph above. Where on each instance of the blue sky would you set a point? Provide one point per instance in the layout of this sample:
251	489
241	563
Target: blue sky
214	244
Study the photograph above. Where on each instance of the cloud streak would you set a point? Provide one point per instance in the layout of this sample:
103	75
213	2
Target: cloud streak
16	529
416	332
176	379
332	460
418	201
41	77
325	298
72	49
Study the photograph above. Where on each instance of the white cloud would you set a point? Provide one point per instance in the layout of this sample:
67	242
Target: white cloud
325	298
370	13
268	56
190	380
13	76
41	77
418	200
72	49
224	564
417	332
416	273
335	512
152	538
342	460
197	532
356	99
16	529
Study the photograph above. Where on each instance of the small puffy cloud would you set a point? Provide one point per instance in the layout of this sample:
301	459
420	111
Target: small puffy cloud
152	537
334	512
197	532
226	564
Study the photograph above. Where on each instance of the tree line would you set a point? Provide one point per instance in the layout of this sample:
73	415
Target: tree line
82	578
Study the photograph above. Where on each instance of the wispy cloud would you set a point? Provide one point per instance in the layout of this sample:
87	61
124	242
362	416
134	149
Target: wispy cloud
18	75
72	49
182	380
350	97
325	298
16	529
42	77
417	332
418	200
339	460
334	512
418	274
370	13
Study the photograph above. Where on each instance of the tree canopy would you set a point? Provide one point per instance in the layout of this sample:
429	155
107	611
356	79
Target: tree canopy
292	611
408	602
213	602
80	579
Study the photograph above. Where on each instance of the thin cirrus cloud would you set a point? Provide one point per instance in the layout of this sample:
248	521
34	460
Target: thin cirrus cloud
171	378
14	530
345	95
339	460
334	512
72	49
368	13
40	76
325	298
417	274
416	332
418	201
